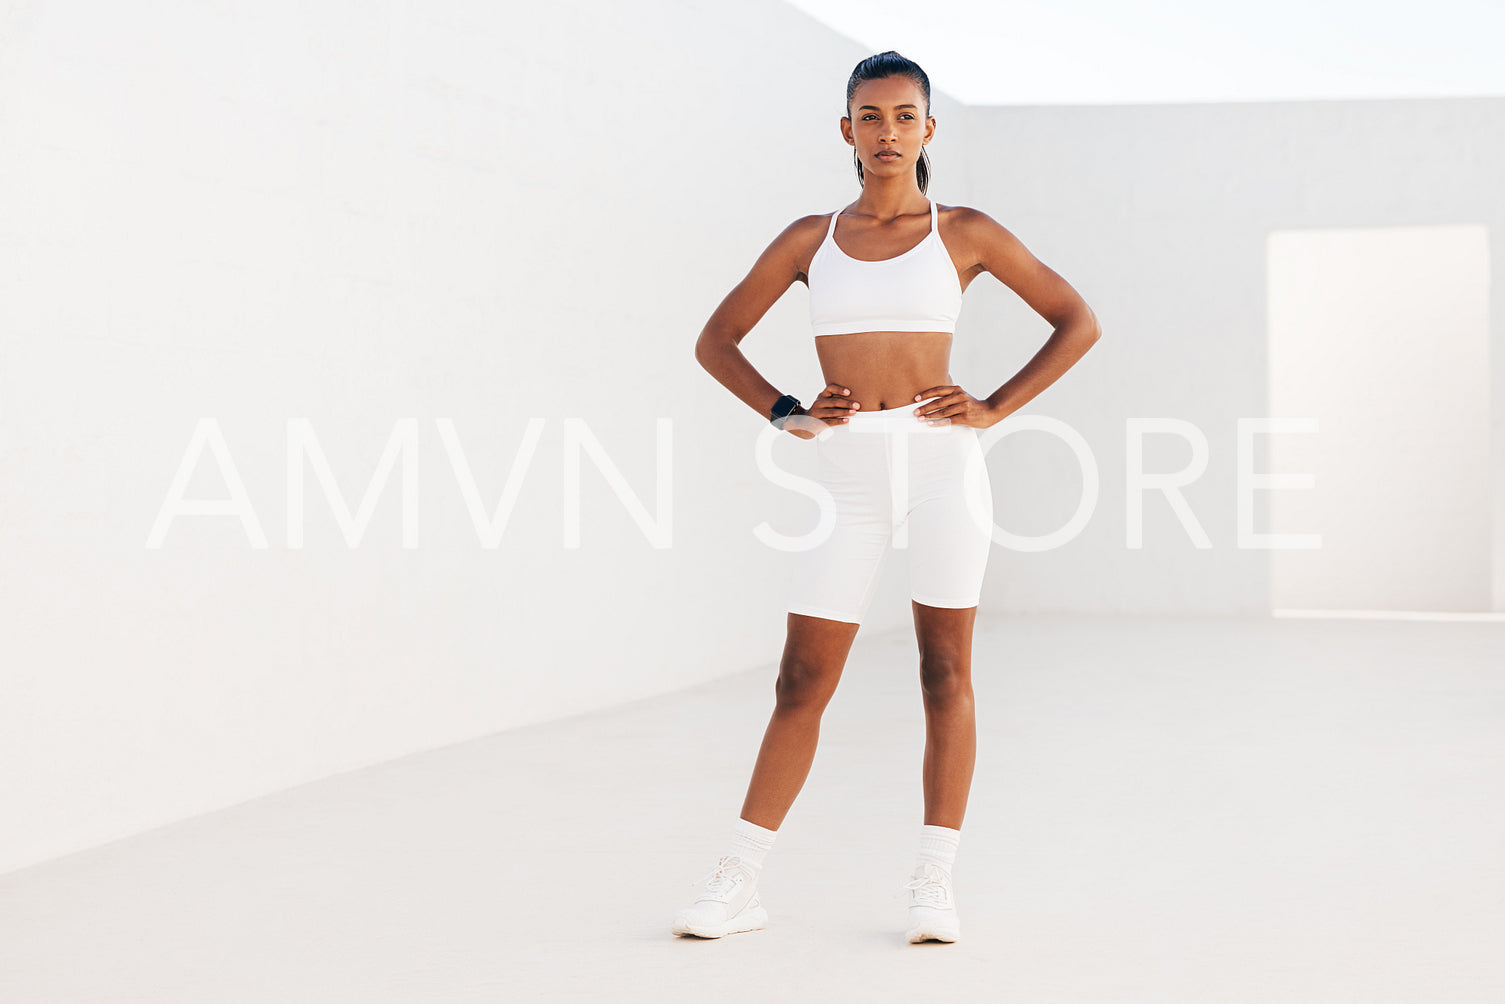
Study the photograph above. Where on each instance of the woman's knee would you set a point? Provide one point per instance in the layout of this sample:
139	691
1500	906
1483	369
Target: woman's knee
815	650
945	678
805	684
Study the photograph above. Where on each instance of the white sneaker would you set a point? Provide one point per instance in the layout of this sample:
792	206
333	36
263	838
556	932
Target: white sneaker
728	904
932	907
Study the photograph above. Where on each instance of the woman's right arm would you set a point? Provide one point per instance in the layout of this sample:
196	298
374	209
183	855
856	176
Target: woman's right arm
717	348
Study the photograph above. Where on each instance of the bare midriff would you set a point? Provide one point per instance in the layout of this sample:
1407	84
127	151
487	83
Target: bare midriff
885	369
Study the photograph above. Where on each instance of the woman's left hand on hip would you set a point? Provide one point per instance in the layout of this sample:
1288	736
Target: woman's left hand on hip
955	407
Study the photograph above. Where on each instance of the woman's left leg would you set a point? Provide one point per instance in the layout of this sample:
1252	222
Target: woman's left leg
945	639
949	536
948	520
945	636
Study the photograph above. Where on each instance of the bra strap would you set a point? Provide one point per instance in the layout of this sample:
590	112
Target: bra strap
831	230
935	219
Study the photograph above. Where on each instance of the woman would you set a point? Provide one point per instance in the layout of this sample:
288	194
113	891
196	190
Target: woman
898	451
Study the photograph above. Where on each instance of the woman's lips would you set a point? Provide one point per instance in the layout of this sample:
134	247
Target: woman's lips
888	155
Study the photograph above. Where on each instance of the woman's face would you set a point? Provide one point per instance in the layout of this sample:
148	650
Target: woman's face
887	124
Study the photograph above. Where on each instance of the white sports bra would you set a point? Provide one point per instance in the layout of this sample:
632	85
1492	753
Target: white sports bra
918	290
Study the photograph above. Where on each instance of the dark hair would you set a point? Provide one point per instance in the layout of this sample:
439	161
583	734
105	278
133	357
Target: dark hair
891	64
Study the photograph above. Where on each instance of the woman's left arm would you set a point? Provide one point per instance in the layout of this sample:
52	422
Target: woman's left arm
996	250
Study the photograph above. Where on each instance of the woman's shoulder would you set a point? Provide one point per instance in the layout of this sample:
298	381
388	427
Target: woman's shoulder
962	216
804	235
805	225
814	223
967	227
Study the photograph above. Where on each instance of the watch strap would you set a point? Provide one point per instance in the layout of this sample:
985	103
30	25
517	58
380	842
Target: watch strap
784	407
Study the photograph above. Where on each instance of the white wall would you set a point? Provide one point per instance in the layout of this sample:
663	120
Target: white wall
257	213
1159	216
1381	336
501	214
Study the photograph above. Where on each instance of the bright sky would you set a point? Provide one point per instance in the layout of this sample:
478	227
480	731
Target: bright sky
1153	51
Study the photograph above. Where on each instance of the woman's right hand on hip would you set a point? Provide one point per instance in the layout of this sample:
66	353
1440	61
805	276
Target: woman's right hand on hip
833	406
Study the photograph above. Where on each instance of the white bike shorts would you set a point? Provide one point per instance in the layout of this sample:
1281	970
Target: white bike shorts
896	482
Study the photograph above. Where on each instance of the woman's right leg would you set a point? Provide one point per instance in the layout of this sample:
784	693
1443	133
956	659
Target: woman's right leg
815	651
830	587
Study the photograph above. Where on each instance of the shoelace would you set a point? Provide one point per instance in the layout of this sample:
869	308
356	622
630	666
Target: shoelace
719	880
929	888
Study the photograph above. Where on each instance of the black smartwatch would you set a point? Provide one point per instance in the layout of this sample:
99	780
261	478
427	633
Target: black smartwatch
783	408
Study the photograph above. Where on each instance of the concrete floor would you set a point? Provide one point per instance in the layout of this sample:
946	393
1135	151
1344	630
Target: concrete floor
1164	810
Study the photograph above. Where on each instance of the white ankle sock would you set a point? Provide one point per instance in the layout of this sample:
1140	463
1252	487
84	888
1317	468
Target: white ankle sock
938	846
750	842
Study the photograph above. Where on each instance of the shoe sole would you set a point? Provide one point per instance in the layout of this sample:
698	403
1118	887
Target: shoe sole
747	920
933	934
